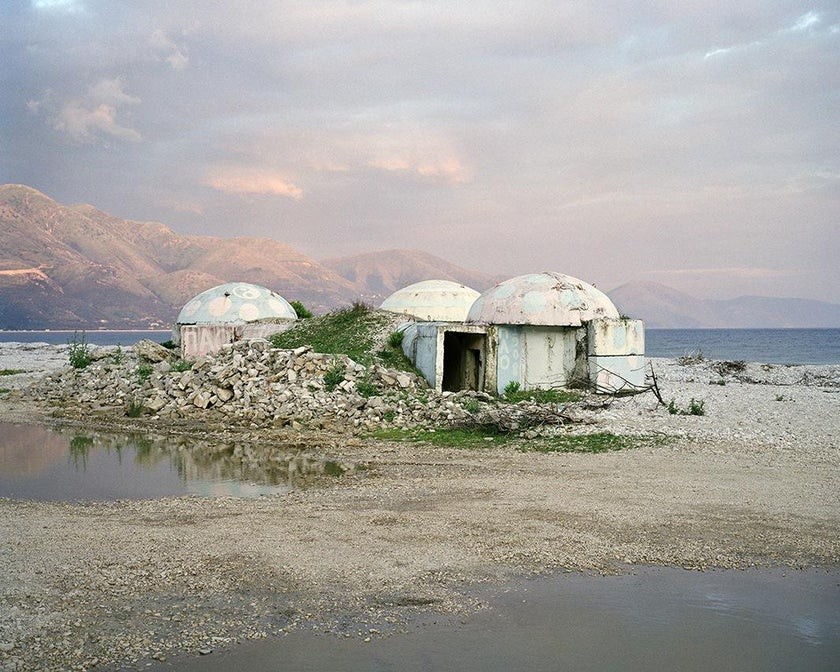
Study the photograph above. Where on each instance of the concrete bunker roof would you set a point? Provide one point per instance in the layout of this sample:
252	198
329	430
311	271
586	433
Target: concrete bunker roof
546	299
235	303
432	300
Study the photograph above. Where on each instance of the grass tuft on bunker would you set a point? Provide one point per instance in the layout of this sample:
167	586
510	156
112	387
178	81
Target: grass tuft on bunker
358	331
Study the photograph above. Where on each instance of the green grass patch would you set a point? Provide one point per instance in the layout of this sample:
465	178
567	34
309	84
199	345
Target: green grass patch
599	442
351	331
484	437
11	372
4	390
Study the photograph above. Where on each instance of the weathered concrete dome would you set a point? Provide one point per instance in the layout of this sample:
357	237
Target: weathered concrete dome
235	303
432	300
548	299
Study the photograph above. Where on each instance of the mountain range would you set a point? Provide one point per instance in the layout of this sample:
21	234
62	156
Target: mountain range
80	268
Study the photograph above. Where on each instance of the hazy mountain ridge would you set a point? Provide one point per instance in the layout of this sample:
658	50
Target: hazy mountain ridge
79	267
379	274
663	307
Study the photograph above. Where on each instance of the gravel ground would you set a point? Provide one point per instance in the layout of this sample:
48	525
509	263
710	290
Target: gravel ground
753	482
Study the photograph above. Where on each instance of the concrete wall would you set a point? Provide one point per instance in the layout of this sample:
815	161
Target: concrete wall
420	345
616	350
197	340
423	344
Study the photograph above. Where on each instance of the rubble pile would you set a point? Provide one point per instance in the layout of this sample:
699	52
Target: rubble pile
252	384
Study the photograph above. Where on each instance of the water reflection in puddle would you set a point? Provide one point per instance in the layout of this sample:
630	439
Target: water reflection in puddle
60	465
654	619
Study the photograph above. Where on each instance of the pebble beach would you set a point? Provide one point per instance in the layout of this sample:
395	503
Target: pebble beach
752	482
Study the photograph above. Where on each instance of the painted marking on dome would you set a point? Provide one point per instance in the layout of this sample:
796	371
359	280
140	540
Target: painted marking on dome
534	302
248	312
219	306
246	292
277	306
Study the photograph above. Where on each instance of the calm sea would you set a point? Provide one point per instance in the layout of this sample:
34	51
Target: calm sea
95	337
772	346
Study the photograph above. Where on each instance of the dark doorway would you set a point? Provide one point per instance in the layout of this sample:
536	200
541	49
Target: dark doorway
463	361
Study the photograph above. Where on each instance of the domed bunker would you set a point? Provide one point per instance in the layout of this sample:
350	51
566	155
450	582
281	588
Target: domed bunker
230	312
432	301
540	331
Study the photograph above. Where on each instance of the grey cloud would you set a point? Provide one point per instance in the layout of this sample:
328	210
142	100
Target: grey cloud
591	138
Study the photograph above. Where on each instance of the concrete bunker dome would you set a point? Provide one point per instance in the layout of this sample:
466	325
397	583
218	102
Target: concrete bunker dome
235	303
432	300
542	299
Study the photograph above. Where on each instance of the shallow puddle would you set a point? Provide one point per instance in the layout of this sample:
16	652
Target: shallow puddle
62	465
654	619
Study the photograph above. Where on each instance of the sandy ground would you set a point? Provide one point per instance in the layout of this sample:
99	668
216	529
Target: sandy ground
754	482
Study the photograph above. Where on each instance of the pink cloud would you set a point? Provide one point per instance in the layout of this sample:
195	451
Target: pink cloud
253	182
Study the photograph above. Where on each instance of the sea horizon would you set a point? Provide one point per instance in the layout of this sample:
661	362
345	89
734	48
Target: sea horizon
769	345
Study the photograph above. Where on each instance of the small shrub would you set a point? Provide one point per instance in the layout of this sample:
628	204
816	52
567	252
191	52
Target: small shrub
720	382
182	365
472	406
513	393
169	345
334	376
79	355
11	372
673	409
143	372
4	390
395	338
389	415
302	311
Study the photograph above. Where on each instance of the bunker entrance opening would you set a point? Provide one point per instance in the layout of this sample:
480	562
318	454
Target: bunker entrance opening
463	361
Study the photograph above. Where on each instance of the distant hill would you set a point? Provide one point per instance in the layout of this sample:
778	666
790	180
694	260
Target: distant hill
379	274
78	267
663	307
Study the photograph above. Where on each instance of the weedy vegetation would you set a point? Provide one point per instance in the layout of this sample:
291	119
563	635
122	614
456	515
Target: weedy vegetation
695	407
11	372
117	356
143	372
182	365
79	354
334	376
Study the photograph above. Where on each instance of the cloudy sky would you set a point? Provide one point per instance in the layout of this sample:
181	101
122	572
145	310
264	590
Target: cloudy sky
691	142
